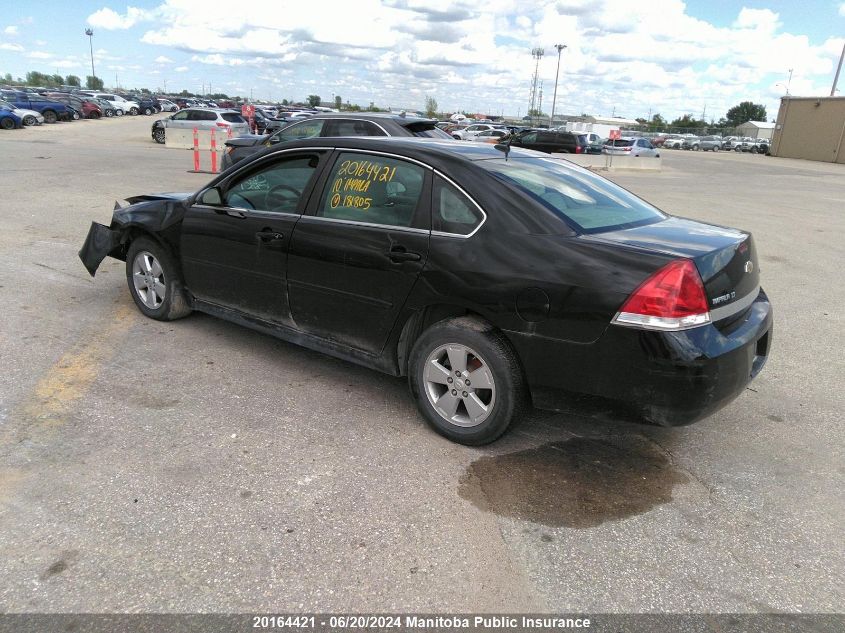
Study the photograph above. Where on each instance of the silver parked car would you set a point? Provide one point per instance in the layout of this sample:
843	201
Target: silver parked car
630	146
710	143
219	119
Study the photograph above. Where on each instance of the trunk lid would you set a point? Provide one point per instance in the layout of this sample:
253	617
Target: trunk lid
725	258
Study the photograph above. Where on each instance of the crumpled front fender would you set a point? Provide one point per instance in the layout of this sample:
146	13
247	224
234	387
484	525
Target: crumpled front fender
99	244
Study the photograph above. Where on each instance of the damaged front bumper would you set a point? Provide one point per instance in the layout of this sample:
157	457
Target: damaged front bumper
101	242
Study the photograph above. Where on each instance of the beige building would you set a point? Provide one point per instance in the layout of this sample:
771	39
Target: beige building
812	128
756	129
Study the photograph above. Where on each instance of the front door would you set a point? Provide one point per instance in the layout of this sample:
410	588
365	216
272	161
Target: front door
353	262
234	253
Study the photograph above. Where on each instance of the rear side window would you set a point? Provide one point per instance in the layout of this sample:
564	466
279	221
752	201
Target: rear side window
232	117
434	132
587	202
452	211
348	127
373	189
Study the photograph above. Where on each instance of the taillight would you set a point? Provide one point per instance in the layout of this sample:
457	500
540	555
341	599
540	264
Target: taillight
578	149
627	149
673	298
221	124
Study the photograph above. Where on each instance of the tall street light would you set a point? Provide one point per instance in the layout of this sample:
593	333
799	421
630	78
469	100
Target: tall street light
559	48
90	34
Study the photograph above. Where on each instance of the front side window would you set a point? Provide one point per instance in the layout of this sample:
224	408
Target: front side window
587	202
181	116
373	189
276	187
306	129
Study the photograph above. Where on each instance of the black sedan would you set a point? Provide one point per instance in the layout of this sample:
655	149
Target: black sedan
493	278
345	124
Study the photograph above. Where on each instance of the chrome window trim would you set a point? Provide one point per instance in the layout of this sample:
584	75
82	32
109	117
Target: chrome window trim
468	197
372	225
259	212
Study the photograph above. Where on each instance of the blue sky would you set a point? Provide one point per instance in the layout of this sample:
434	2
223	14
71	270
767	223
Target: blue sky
624	57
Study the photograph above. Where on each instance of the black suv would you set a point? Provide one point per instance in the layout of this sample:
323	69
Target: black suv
549	141
336	124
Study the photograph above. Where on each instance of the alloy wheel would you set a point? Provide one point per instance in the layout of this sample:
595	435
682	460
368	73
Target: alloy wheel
149	281
459	385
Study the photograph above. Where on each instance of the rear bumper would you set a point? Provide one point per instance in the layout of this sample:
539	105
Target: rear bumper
665	378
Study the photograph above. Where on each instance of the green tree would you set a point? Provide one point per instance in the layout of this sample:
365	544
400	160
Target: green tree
93	83
314	100
8	78
744	112
658	122
688	122
35	78
73	80
430	107
338	102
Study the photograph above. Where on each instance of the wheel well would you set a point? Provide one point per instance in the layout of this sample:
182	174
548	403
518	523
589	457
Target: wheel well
418	323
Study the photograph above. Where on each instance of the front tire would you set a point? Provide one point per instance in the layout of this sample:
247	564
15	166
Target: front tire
148	111
159	135
155	282
29	120
133	111
467	380
49	116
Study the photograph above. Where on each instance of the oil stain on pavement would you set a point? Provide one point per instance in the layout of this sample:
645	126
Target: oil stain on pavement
577	483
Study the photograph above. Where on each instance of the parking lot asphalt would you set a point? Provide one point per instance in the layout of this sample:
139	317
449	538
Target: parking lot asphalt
200	466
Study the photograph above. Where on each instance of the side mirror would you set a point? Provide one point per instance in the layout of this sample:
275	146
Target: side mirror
211	197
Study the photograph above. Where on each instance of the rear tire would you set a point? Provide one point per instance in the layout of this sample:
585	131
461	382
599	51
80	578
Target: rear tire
133	111
155	282
148	111
444	359
49	116
7	123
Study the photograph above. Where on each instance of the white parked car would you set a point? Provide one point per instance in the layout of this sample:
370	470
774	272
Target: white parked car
473	130
630	146
121	105
167	105
220	119
489	136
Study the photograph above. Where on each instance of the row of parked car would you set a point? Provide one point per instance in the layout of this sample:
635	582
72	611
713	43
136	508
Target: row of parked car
713	143
28	106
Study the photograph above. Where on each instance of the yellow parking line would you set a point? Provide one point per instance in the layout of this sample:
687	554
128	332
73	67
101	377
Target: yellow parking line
70	378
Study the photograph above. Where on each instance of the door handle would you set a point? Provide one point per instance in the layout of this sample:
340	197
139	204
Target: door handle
269	236
399	254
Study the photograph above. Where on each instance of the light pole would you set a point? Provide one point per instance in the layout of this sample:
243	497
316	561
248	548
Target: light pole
537	54
559	48
90	34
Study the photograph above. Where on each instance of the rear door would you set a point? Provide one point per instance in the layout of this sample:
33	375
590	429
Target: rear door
356	255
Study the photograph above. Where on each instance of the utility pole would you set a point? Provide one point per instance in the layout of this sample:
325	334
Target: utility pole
789	81
838	68
559	48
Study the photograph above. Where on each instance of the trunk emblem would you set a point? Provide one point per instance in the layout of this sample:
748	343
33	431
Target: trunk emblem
749	266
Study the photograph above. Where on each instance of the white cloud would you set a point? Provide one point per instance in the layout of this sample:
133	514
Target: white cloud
842	9
39	55
181	69
10	30
6	46
161	59
111	20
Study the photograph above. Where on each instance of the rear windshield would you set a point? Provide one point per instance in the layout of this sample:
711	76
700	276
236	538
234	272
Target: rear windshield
621	142
587	202
434	132
232	117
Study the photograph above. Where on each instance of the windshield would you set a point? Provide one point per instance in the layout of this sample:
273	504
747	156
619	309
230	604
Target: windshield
588	203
